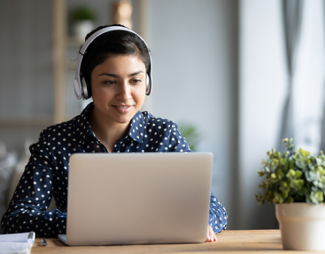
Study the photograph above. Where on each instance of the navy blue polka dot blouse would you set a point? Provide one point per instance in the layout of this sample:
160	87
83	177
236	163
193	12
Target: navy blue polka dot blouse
46	173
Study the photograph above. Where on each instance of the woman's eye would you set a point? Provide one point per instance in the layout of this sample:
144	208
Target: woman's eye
110	82
136	81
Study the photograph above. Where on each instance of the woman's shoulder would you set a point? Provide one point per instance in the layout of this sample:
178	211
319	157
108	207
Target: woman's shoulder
157	122
165	132
63	128
71	126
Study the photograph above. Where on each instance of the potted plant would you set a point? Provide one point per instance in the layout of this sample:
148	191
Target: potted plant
295	183
82	18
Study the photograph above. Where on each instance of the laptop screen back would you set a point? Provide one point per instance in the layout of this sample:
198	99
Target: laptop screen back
138	198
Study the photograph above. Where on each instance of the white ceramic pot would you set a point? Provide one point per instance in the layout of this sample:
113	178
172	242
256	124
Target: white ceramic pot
82	28
302	226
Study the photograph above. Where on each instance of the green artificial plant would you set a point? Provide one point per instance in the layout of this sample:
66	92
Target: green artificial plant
293	176
82	13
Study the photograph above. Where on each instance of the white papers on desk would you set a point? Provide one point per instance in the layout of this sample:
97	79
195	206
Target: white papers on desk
19	243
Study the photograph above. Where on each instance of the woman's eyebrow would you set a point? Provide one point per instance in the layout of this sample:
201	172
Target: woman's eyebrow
109	74
117	76
135	73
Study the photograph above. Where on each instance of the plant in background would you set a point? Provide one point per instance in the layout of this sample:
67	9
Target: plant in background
82	19
190	133
293	176
83	13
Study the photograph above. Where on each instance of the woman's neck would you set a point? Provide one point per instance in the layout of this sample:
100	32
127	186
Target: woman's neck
106	131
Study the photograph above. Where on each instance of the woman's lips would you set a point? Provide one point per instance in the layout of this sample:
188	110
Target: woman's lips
122	108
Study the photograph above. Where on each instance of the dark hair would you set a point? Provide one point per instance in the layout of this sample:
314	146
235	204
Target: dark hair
112	43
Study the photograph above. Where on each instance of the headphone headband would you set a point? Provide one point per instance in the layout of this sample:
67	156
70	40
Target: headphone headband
80	89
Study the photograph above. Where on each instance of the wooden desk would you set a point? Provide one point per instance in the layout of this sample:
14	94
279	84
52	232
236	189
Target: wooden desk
229	241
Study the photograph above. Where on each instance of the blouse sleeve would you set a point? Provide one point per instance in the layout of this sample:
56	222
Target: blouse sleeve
217	215
27	210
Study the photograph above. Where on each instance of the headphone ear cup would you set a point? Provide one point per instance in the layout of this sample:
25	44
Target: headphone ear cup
148	85
147	82
84	87
77	88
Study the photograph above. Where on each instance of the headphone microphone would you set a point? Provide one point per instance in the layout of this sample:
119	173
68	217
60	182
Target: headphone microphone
79	83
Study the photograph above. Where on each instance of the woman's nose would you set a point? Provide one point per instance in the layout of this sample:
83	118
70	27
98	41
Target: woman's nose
125	91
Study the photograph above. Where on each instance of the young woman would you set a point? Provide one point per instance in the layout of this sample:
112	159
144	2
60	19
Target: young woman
114	68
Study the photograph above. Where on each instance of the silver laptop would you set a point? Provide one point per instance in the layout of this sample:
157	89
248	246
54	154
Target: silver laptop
138	198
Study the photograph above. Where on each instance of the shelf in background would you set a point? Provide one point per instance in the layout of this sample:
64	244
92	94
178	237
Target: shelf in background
32	121
25	121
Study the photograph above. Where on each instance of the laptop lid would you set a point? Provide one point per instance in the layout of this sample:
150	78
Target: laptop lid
138	198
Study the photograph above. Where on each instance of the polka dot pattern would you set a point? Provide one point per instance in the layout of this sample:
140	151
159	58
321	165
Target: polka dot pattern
46	173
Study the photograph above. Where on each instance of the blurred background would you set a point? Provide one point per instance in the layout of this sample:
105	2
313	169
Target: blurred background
237	75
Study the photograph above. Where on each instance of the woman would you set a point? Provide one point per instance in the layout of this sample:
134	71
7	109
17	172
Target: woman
114	68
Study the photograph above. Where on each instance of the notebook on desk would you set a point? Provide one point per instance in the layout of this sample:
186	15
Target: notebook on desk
138	198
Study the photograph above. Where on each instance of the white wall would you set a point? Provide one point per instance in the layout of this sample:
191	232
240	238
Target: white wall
308	79
262	88
194	49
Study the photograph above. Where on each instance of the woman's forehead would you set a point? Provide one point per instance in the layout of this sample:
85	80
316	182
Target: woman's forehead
122	64
116	57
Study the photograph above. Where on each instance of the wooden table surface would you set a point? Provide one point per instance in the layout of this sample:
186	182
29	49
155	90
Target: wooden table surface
229	241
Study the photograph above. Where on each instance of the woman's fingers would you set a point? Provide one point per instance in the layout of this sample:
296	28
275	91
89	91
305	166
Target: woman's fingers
211	236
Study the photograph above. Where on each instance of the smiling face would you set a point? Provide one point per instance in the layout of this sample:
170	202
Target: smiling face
118	89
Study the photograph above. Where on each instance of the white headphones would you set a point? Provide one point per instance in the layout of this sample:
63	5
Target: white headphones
80	86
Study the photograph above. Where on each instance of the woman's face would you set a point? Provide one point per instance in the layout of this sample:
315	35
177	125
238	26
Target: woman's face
118	88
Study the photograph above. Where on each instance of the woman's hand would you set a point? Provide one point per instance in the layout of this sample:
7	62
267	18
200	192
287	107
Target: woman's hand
211	235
